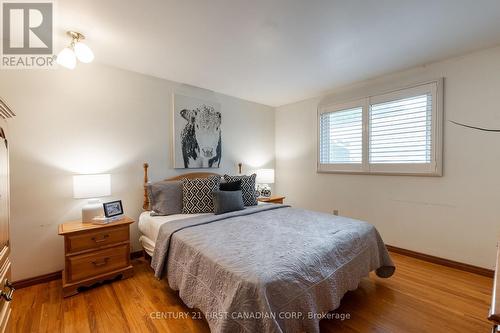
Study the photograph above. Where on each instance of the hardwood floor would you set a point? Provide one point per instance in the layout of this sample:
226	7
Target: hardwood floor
420	297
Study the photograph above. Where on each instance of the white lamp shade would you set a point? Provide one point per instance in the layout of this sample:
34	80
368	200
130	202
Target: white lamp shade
91	186
83	52
265	176
67	58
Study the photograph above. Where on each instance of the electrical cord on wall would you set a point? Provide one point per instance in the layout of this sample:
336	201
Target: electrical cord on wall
475	127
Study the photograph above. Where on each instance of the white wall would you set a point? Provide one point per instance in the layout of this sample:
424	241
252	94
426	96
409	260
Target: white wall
100	119
456	216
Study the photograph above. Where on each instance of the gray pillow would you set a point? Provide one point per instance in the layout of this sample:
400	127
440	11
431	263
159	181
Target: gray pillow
227	201
165	197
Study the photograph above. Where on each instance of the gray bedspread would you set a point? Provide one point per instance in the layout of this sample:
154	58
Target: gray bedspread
269	268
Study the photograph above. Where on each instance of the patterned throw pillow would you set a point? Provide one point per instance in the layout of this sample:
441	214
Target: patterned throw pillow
247	188
197	194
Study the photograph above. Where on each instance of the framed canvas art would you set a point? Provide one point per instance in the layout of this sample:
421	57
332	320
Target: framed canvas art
197	133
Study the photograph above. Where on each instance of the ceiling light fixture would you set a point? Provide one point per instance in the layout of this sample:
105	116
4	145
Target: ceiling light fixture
76	50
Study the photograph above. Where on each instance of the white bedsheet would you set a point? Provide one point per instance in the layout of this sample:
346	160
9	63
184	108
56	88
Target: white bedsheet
149	226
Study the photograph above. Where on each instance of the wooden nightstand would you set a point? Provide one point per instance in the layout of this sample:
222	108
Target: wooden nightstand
95	253
272	199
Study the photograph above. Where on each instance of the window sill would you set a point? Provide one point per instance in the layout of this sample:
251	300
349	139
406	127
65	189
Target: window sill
381	173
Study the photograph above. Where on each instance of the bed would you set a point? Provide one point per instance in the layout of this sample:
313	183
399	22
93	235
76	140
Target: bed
149	226
267	268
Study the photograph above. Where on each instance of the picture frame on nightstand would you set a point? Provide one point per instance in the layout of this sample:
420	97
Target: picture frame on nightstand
113	208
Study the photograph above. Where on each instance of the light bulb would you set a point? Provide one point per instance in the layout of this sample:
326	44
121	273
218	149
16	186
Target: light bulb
67	58
83	52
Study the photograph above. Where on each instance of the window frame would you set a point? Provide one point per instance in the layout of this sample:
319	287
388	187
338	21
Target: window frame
434	168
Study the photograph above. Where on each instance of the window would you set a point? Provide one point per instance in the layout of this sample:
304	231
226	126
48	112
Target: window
341	136
393	133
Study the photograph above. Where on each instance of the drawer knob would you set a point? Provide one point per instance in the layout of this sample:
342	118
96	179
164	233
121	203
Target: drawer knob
101	263
8	295
103	239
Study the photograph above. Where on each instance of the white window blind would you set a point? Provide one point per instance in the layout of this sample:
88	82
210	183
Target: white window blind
341	136
401	130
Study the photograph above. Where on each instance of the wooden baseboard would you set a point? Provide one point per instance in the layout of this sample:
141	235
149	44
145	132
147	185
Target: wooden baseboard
55	275
444	262
36	280
136	254
422	256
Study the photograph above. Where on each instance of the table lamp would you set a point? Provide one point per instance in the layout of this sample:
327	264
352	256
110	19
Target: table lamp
264	178
91	187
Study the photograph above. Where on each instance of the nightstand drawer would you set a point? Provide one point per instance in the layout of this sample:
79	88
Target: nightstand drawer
91	264
93	240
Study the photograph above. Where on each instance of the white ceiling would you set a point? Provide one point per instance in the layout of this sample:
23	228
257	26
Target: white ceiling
278	51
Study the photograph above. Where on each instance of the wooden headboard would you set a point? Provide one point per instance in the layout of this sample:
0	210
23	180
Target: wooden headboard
191	175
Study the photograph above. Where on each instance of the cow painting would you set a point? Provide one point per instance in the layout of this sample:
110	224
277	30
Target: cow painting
201	140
